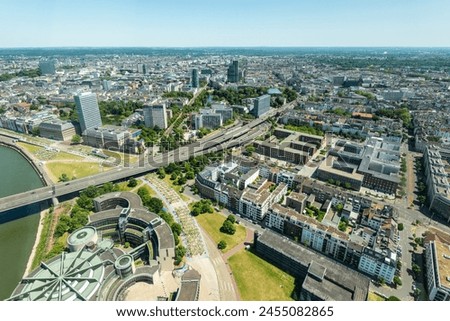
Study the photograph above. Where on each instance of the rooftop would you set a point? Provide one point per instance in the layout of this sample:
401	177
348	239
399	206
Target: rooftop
345	283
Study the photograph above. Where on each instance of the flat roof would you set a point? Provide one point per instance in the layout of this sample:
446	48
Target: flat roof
443	258
346	279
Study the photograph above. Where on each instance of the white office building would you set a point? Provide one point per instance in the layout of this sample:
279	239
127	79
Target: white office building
88	111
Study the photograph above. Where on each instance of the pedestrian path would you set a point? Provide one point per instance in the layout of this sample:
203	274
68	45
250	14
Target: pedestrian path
179	209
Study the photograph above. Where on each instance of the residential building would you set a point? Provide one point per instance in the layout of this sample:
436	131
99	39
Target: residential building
437	262
255	202
155	116
296	201
88	111
438	187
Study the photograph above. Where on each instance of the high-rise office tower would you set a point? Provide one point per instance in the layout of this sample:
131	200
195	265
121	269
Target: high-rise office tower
261	105
194	78
88	111
155	115
47	67
142	69
233	72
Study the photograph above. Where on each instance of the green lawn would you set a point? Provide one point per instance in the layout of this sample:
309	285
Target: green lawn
258	280
43	154
375	297
33	149
150	190
130	159
176	188
72	169
66	156
211	223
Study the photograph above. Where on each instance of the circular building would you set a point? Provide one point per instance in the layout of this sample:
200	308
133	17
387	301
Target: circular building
81	238
72	276
124	265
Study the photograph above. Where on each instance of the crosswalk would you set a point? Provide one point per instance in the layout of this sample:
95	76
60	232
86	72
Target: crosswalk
226	286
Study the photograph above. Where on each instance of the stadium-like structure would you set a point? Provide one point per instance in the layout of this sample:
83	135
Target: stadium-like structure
95	268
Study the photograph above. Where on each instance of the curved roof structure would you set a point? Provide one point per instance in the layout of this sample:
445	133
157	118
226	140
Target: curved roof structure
72	276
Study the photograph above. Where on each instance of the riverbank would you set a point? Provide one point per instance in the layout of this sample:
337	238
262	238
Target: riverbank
28	268
9	142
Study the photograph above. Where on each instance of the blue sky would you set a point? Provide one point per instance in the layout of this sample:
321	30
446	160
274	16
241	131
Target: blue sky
186	23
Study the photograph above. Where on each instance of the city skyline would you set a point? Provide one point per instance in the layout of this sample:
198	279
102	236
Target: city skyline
232	24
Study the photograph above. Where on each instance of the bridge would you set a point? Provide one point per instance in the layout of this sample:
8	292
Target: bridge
223	140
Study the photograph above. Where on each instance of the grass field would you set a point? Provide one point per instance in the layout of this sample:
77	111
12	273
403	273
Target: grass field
42	154
150	190
33	149
375	297
211	223
254	277
72	169
66	156
121	157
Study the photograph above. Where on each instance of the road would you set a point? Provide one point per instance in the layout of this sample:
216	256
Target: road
224	139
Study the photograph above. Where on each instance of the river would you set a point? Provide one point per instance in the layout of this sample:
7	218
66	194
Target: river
18	227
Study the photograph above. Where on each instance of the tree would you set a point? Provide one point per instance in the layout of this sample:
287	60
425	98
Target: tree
62	226
180	252
400	226
76	139
231	218
63	178
381	281
155	205
85	202
182	180
161	173
91	191
416	269
35	131
339	207
190	175
397	281
222	245
126	245
422	199
393	298
228	227
342	226
250	149
132	182
176	228
417	292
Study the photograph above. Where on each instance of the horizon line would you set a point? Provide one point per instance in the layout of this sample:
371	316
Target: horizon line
225	47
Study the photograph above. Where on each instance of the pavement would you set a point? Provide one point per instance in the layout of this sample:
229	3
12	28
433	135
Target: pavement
217	282
178	208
